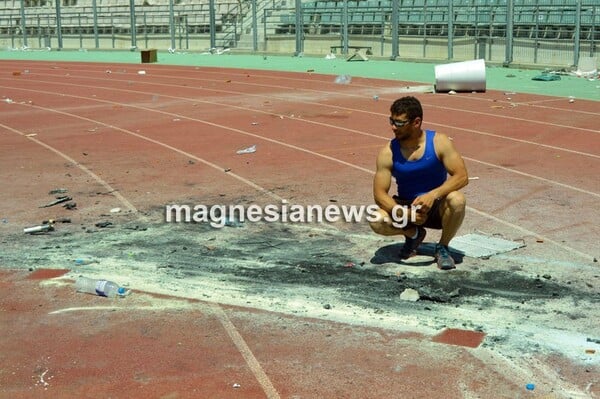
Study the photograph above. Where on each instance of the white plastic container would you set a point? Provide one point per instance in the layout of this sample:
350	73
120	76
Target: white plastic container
99	287
460	76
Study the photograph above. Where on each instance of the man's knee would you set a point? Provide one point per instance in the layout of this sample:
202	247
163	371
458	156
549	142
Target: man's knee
381	224
456	201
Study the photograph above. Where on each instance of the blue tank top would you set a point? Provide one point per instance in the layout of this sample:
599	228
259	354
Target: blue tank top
417	177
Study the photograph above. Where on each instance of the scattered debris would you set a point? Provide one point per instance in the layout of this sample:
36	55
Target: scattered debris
546	77
410	294
233	222
343	79
58	200
38	229
59	220
248	150
530	387
83	262
141	72
236	385
434	295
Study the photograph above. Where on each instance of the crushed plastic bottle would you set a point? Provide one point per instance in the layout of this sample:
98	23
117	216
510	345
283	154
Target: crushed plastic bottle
343	79
105	288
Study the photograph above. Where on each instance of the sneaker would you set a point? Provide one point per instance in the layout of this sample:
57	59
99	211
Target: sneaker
411	244
443	258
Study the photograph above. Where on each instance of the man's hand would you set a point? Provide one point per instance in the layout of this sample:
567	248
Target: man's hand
425	201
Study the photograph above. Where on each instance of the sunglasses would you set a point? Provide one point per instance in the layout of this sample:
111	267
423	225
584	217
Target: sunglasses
399	123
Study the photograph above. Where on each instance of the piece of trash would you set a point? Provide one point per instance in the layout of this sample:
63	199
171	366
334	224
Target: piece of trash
236	385
233	222
70	205
410	294
594	340
59	220
115	210
108	71
330	56
310	70
546	77
16	73
248	150
376	97
571	99
327	306
105	288
530	387
8	100
349	264
103	224
38	229
227	170
474	178
31	135
141	72
590	351
343	79
57	201
451	92
254	123
83	262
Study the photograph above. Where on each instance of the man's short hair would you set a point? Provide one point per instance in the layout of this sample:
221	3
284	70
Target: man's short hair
408	105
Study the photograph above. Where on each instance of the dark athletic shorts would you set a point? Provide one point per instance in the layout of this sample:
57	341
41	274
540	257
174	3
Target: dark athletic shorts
434	220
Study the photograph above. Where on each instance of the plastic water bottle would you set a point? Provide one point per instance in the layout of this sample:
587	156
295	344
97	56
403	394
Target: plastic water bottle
99	287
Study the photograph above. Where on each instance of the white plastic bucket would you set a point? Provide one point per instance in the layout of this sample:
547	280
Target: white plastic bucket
460	76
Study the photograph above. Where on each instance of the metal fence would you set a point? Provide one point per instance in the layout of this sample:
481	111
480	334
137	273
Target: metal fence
540	32
204	25
548	32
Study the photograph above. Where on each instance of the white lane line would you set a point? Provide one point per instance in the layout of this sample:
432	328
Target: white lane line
244	349
94	176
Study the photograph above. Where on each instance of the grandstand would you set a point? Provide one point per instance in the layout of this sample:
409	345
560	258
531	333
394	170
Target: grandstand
547	32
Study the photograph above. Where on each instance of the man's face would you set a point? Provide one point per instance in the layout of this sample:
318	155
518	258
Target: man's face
401	126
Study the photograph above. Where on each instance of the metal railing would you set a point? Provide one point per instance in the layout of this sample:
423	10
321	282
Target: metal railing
541	32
